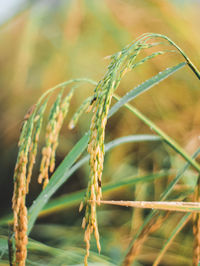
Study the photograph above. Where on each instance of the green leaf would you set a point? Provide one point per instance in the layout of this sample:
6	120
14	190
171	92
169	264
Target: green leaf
65	170
58	178
145	86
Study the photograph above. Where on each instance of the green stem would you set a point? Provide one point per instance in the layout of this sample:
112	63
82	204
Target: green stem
189	62
162	134
60	85
63	84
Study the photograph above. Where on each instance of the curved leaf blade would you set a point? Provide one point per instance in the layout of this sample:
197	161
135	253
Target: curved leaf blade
58	178
148	84
65	170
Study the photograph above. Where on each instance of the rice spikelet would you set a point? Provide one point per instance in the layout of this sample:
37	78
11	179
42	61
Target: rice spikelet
120	64
34	144
57	115
19	195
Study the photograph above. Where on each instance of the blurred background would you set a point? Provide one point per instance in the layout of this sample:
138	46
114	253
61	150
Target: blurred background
43	43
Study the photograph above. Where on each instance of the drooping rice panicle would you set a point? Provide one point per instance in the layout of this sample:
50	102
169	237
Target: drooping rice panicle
64	107
57	115
28	143
19	195
49	138
34	144
120	64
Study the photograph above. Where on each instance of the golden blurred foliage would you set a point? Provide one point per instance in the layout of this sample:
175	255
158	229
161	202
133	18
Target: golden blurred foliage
52	41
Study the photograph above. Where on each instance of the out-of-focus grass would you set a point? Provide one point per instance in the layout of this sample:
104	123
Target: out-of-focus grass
49	43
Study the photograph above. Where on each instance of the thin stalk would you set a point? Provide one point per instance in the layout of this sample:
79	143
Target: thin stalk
60	85
162	134
189	62
174	233
157	205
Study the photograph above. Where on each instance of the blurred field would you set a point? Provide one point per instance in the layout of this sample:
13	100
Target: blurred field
53	41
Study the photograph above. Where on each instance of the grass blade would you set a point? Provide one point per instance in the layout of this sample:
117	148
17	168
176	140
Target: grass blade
177	178
65	170
58	178
174	233
172	143
148	84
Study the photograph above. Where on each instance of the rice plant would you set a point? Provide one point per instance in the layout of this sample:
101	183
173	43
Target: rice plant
99	103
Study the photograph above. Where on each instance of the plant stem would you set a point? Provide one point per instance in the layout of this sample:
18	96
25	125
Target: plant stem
189	62
63	84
